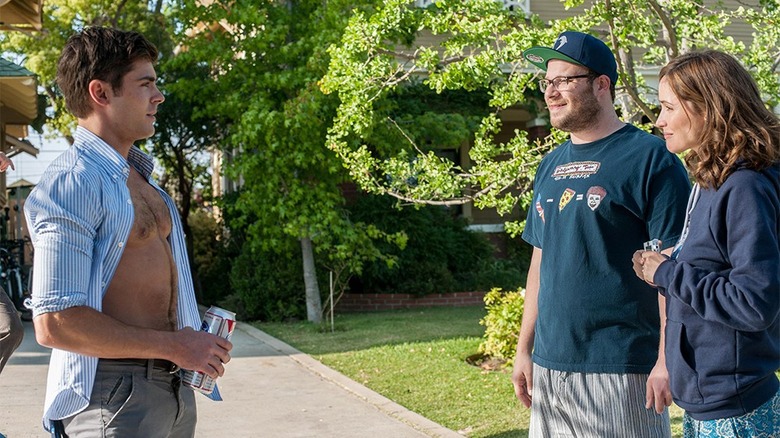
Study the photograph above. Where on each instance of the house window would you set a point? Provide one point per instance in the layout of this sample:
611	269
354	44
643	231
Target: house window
518	5
512	5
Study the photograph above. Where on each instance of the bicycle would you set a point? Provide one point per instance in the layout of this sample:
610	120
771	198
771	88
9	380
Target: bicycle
12	277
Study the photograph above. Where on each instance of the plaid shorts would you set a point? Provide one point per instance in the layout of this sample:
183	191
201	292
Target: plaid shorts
763	422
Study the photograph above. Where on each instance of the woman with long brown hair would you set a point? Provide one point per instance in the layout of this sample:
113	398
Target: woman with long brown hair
722	282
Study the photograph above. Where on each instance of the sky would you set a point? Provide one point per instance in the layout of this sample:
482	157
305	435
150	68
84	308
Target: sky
31	168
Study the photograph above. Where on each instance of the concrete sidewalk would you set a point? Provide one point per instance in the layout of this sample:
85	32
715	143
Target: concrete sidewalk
270	390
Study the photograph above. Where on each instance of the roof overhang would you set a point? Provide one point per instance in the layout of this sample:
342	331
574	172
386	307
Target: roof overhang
18	94
21	15
16	146
18	107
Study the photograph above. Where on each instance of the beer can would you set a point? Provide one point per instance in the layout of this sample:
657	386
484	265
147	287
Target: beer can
219	322
653	245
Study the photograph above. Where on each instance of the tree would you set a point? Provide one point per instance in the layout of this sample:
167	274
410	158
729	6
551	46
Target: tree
265	58
480	48
182	141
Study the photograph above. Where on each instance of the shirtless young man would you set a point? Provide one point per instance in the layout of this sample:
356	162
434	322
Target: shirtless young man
112	292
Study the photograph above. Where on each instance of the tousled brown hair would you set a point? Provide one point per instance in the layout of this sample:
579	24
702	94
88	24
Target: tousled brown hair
101	53
739	130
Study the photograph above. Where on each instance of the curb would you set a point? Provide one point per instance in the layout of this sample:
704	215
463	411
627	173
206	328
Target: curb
380	402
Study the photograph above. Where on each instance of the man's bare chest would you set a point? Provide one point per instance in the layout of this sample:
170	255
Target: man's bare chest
151	216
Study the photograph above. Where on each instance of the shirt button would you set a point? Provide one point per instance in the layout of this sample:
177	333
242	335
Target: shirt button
120	244
129	201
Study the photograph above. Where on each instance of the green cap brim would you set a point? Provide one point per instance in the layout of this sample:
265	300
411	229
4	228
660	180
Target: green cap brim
540	56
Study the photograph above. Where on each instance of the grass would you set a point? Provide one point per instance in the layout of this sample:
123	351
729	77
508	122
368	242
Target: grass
417	358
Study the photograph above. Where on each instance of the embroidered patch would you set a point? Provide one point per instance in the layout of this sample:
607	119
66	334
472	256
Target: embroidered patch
576	170
535	58
566	197
596	194
539	209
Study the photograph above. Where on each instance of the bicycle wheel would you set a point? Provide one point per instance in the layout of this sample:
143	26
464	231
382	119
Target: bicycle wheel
29	280
6	287
15	285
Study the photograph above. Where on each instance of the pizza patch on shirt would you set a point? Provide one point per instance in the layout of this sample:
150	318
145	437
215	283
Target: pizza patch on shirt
566	197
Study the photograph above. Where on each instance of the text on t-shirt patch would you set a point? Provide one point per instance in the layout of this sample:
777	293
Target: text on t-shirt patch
577	169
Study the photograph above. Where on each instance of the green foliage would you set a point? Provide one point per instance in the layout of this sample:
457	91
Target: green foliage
265	282
259	283
478	48
370	66
184	134
415	117
264	60
502	323
212	256
440	255
267	285
290	180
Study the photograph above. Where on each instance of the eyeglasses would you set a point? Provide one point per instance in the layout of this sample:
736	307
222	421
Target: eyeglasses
560	83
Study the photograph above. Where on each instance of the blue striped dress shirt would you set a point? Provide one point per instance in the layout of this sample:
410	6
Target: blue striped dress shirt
79	217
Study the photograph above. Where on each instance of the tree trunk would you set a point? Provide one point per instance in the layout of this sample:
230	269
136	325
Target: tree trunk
313	299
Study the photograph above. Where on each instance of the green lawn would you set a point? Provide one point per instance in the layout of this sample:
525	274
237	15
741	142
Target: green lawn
418	359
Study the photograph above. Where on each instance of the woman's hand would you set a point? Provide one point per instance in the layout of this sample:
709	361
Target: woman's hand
646	263
650	262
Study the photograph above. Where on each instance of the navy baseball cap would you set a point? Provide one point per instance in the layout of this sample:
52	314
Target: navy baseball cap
578	48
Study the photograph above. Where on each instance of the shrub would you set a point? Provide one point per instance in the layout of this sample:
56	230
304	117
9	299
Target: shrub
502	324
493	273
212	254
267	286
441	254
255	283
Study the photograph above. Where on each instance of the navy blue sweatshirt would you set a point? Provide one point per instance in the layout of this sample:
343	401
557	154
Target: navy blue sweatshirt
723	299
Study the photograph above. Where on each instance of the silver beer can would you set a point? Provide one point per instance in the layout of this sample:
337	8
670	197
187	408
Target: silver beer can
219	322
653	245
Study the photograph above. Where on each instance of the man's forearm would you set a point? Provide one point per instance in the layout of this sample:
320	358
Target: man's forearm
86	331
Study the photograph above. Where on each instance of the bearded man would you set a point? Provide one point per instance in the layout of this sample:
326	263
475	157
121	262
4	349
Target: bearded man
589	359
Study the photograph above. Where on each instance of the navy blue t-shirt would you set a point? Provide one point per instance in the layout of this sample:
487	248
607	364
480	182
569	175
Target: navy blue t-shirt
594	205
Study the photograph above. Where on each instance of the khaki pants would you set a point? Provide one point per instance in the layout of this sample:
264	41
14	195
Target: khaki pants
135	401
11	329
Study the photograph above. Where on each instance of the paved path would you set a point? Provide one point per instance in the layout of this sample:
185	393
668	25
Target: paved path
271	390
